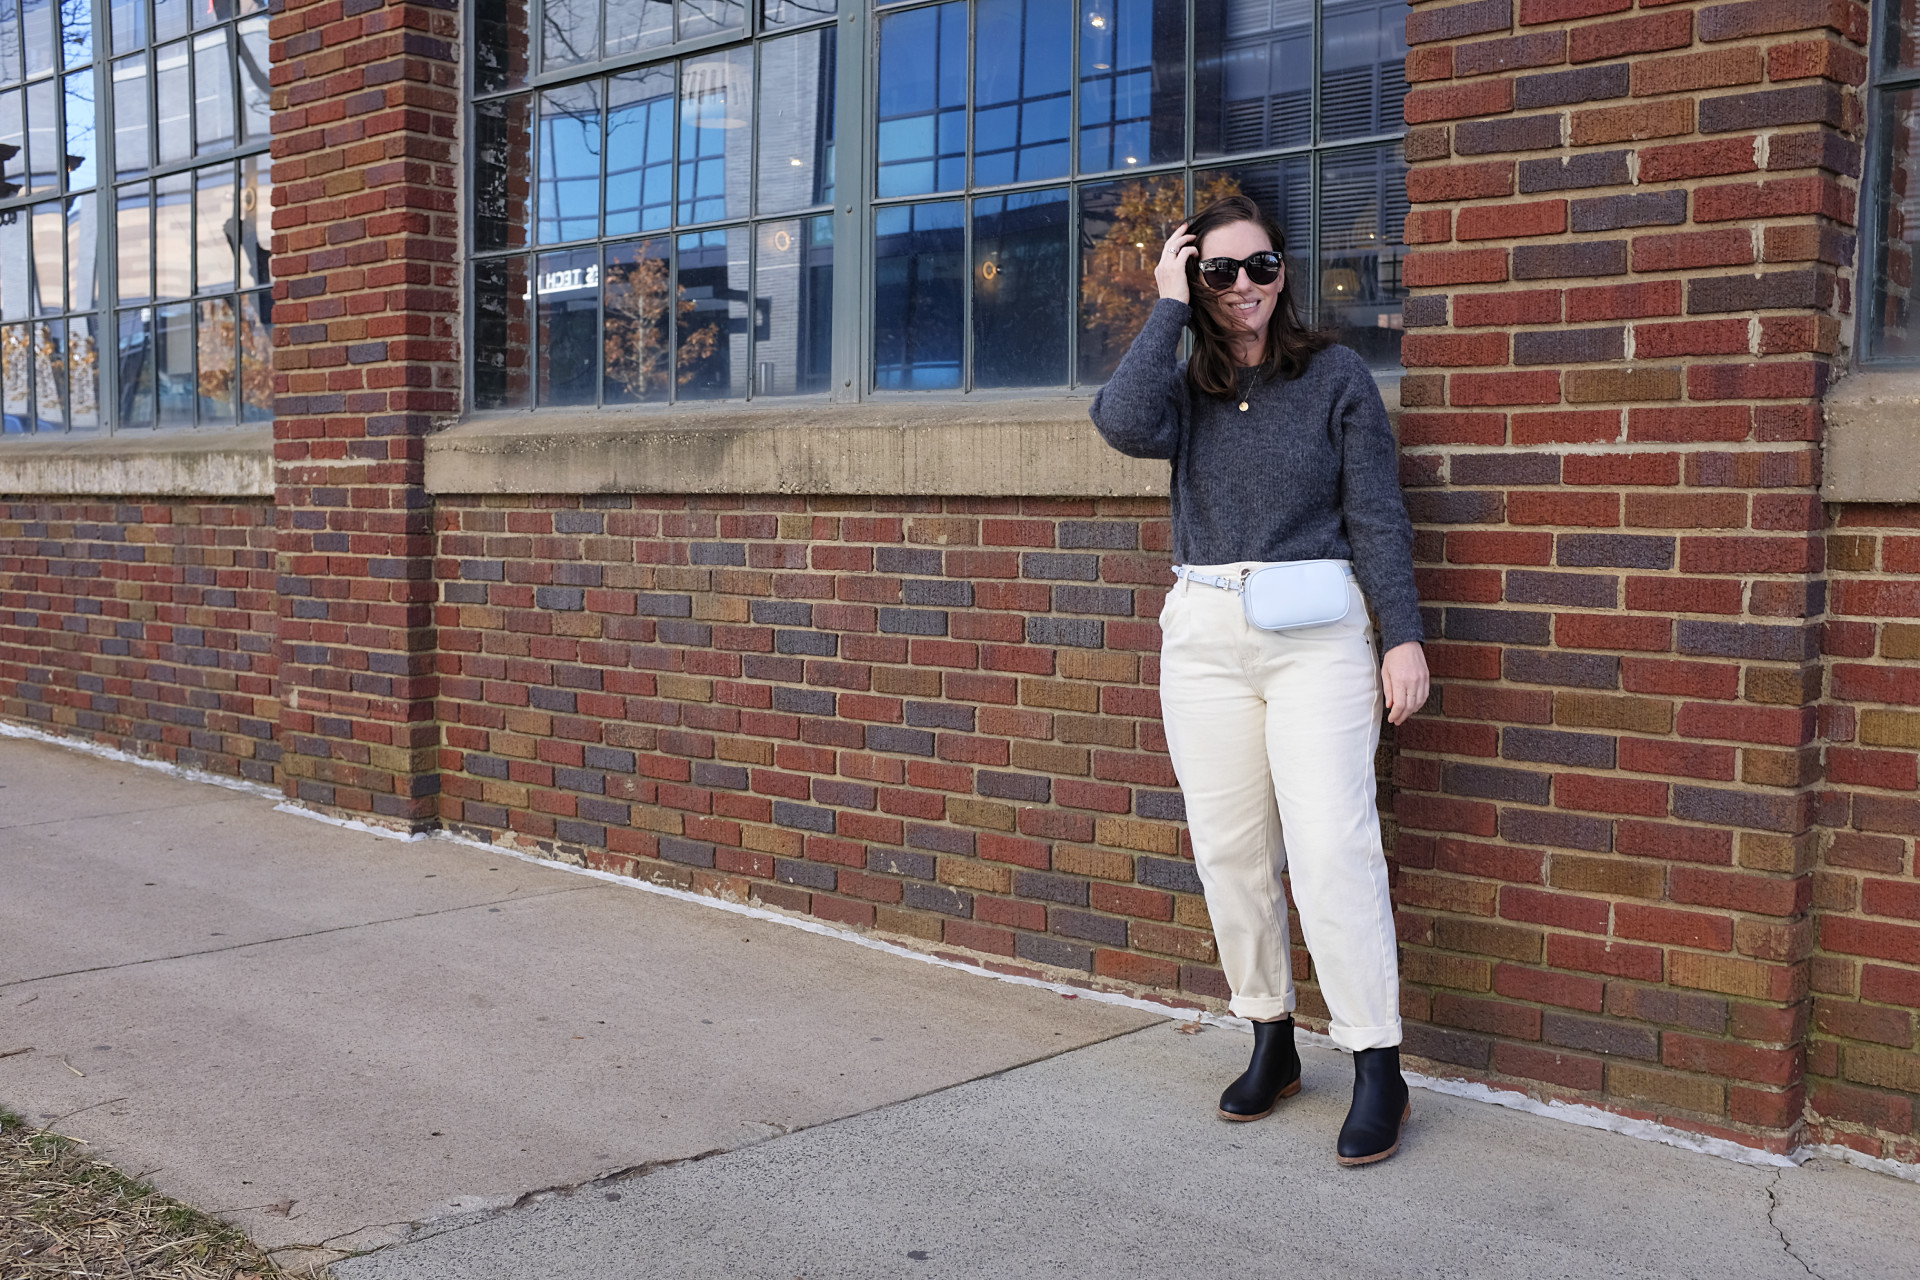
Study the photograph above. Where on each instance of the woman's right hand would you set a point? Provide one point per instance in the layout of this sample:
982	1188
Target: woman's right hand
1170	273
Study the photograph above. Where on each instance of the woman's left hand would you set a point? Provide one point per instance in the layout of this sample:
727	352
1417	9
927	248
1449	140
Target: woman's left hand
1403	673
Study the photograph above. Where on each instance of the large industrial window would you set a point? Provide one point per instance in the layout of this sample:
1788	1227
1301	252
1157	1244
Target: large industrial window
705	200
1890	327
134	209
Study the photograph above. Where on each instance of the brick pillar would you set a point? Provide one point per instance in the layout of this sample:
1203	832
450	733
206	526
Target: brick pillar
1632	271
366	249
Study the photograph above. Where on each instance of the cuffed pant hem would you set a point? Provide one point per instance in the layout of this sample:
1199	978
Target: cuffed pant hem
1264	1008
1354	1039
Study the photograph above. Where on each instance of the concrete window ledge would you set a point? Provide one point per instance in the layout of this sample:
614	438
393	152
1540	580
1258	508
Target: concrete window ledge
186	464
981	447
1873	438
974	448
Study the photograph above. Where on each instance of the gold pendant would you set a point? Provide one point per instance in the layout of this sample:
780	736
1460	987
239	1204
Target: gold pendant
1243	406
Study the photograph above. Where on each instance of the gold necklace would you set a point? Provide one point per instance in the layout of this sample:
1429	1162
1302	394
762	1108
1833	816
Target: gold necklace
1247	395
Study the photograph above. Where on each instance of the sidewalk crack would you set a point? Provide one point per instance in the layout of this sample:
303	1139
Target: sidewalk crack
1773	1206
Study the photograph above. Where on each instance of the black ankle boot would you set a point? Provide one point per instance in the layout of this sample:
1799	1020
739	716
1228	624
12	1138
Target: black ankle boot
1380	1107
1274	1073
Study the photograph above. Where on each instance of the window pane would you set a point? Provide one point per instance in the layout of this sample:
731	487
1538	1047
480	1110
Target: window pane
175	102
1363	64
16	376
793	307
256	104
133	212
1020	290
83	253
11	68
214	229
637	359
501	334
1022	94
83	373
787	13
169	18
569	317
173	236
569	198
1284	189
796	122
500	45
80	142
919	275
256	357
1253	75
1363	215
922	139
633	25
16	265
1133	83
502	138
208	12
711	316
129	21
49	259
136	356
571	34
640	151
1123	227
13	141
1894	225
1900	46
44	149
173	364
50	374
36	29
716	136
256	221
212	92
218	348
709	17
130	116
76	32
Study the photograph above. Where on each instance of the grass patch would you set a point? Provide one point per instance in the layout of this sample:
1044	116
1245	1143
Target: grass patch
63	1213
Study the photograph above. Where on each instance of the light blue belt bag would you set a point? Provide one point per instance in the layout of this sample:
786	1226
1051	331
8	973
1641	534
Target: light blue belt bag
1286	595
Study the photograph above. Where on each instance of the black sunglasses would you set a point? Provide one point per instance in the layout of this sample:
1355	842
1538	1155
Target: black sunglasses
1222	274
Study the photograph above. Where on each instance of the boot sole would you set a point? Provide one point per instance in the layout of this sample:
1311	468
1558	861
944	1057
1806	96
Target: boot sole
1354	1162
1287	1092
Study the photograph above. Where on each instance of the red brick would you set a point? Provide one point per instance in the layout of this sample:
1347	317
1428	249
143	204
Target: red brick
1624	301
1521	306
1568	426
1569	1070
1616	959
1512	221
1452	428
1590	794
1426	350
1569	991
1647	34
1586	510
1532	387
1477	98
1428	184
1455	266
1691	250
1691	338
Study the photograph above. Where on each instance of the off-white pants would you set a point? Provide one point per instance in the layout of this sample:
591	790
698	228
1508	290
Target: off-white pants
1273	731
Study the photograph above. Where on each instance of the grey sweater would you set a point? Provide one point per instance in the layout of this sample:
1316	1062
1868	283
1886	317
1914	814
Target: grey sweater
1309	472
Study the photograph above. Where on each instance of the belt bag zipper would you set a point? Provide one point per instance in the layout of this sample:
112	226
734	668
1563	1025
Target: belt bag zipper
1287	595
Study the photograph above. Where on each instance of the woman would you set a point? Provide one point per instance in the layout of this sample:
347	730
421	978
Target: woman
1281	451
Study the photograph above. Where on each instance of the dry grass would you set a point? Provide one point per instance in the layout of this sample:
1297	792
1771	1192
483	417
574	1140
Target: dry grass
65	1214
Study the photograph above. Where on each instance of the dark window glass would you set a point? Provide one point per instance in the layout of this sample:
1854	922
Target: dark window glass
500	45
1021	297
712	315
567	292
569	194
1022	91
502	334
1894	224
922	142
796	122
79	159
793	307
1363	213
633	25
173	365
787	13
1123	226
135	369
716	135
501	188
919	290
1363	60
1253	75
639	151
256	356
217	347
639	358
130	122
1133	83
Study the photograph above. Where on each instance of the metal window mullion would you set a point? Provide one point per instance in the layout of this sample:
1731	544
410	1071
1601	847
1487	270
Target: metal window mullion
1073	278
966	204
106	244
1313	132
854	73
1193	76
753	211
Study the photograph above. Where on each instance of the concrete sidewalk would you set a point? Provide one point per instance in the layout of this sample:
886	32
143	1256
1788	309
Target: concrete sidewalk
478	1067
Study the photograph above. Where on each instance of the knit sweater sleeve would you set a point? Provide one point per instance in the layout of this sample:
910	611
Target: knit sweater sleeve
1142	411
1373	510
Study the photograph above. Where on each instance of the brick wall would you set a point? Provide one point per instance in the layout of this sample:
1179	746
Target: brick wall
1634	235
146	626
366	299
1866	968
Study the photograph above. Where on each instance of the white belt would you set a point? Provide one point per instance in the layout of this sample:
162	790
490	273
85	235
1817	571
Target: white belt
1222	581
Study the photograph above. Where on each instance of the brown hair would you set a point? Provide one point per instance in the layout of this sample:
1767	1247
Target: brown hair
1290	344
